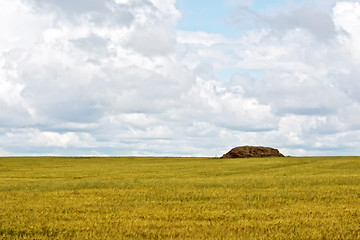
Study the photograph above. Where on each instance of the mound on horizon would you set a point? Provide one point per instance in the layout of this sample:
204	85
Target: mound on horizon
252	151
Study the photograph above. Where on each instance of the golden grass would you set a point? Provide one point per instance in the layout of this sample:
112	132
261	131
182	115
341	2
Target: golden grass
179	198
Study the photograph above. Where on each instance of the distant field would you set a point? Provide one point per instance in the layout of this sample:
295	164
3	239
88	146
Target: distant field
184	198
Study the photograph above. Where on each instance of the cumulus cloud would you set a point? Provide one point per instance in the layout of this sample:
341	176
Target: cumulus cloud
115	77
319	24
159	40
19	26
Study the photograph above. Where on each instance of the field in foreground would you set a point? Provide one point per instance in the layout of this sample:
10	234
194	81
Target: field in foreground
185	198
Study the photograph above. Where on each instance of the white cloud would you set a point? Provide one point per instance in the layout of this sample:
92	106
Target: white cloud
116	77
15	109
53	139
200	38
159	40
20	27
31	137
10	93
228	107
347	19
4	153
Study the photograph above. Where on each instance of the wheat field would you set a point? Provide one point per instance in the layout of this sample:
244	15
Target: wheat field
179	198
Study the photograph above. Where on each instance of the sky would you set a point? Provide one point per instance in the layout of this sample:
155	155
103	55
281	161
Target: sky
179	77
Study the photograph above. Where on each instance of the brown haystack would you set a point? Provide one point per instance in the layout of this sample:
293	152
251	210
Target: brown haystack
252	151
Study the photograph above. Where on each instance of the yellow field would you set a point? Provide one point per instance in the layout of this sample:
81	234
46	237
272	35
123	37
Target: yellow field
184	198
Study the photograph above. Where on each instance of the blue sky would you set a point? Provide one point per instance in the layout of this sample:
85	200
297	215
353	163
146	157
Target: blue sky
179	78
207	16
214	16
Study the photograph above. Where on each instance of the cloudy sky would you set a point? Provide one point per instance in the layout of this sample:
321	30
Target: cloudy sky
179	77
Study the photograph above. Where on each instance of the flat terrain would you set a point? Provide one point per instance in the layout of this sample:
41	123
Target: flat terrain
184	198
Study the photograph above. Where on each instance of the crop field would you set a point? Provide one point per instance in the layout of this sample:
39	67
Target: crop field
179	198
